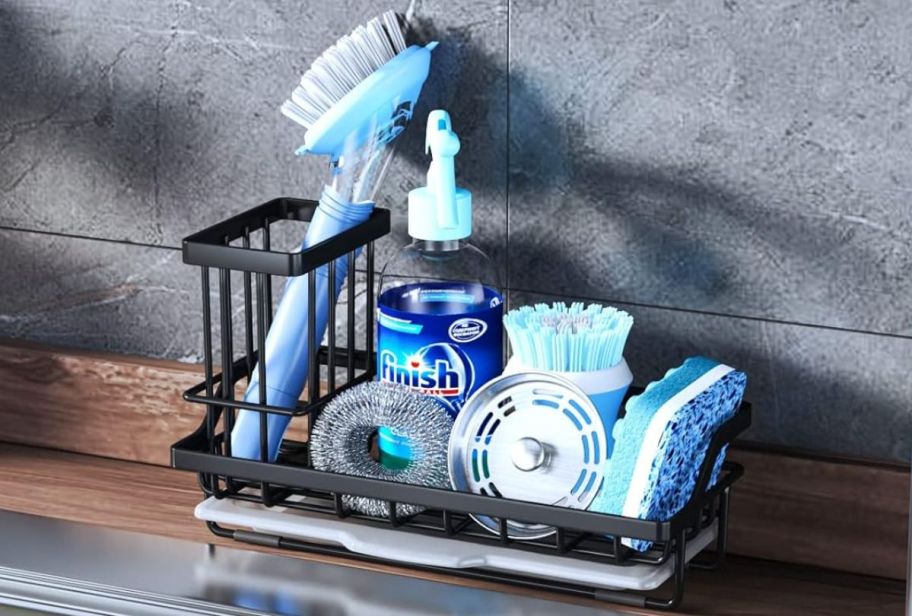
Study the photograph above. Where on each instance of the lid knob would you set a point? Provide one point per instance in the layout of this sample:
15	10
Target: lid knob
528	454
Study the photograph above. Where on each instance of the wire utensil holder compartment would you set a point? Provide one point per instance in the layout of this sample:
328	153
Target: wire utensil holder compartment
242	245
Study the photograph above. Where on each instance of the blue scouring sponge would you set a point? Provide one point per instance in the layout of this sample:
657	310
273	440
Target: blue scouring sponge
661	442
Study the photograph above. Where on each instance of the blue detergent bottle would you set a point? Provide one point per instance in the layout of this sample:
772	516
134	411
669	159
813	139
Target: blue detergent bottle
440	310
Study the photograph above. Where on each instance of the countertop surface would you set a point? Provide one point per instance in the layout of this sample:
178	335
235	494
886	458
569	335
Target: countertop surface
159	501
47	561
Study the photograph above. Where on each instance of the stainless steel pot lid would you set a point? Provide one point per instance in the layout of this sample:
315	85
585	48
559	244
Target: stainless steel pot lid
532	436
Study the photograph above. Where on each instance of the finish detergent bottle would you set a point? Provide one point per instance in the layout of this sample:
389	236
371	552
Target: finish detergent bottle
440	314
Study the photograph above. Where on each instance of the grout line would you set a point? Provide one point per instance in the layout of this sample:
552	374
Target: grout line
712	313
509	273
508	290
75	236
726	315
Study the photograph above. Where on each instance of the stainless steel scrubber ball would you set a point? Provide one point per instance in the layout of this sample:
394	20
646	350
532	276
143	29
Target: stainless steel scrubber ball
341	436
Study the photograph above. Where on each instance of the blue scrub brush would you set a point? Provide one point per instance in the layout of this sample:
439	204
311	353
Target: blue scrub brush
662	440
354	101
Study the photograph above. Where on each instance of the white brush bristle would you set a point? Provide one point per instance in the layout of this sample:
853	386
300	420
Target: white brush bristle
343	66
568	338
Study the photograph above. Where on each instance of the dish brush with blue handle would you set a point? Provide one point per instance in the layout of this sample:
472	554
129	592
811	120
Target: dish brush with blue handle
354	101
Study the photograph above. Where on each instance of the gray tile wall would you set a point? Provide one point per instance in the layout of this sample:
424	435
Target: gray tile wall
733	173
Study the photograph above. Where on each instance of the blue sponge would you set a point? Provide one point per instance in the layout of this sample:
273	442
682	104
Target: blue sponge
661	442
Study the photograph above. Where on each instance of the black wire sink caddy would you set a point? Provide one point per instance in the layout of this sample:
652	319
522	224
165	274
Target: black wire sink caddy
241	246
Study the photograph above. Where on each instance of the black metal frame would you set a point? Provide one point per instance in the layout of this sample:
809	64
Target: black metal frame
580	534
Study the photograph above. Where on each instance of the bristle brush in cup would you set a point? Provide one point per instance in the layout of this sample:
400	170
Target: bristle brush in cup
584	344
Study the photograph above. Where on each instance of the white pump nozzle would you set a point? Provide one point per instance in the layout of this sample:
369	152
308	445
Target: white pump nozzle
440	210
443	145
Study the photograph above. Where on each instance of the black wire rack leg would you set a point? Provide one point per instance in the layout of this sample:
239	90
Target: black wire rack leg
680	570
721	538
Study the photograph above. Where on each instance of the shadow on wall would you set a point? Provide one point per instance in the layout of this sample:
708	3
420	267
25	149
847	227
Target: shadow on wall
656	211
542	162
643	221
797	405
469	82
37	91
550	155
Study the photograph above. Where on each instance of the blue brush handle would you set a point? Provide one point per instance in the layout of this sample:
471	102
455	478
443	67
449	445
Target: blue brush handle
286	353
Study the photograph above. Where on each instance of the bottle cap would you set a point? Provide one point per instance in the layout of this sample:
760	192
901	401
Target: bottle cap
440	211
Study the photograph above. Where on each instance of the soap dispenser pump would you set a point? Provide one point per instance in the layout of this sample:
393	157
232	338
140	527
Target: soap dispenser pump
440	211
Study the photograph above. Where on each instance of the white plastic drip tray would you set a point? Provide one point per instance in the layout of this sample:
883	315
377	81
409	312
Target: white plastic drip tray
410	548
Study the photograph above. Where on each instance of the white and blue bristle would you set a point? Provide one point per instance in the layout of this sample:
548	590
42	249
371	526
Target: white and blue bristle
342	67
562	338
661	442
